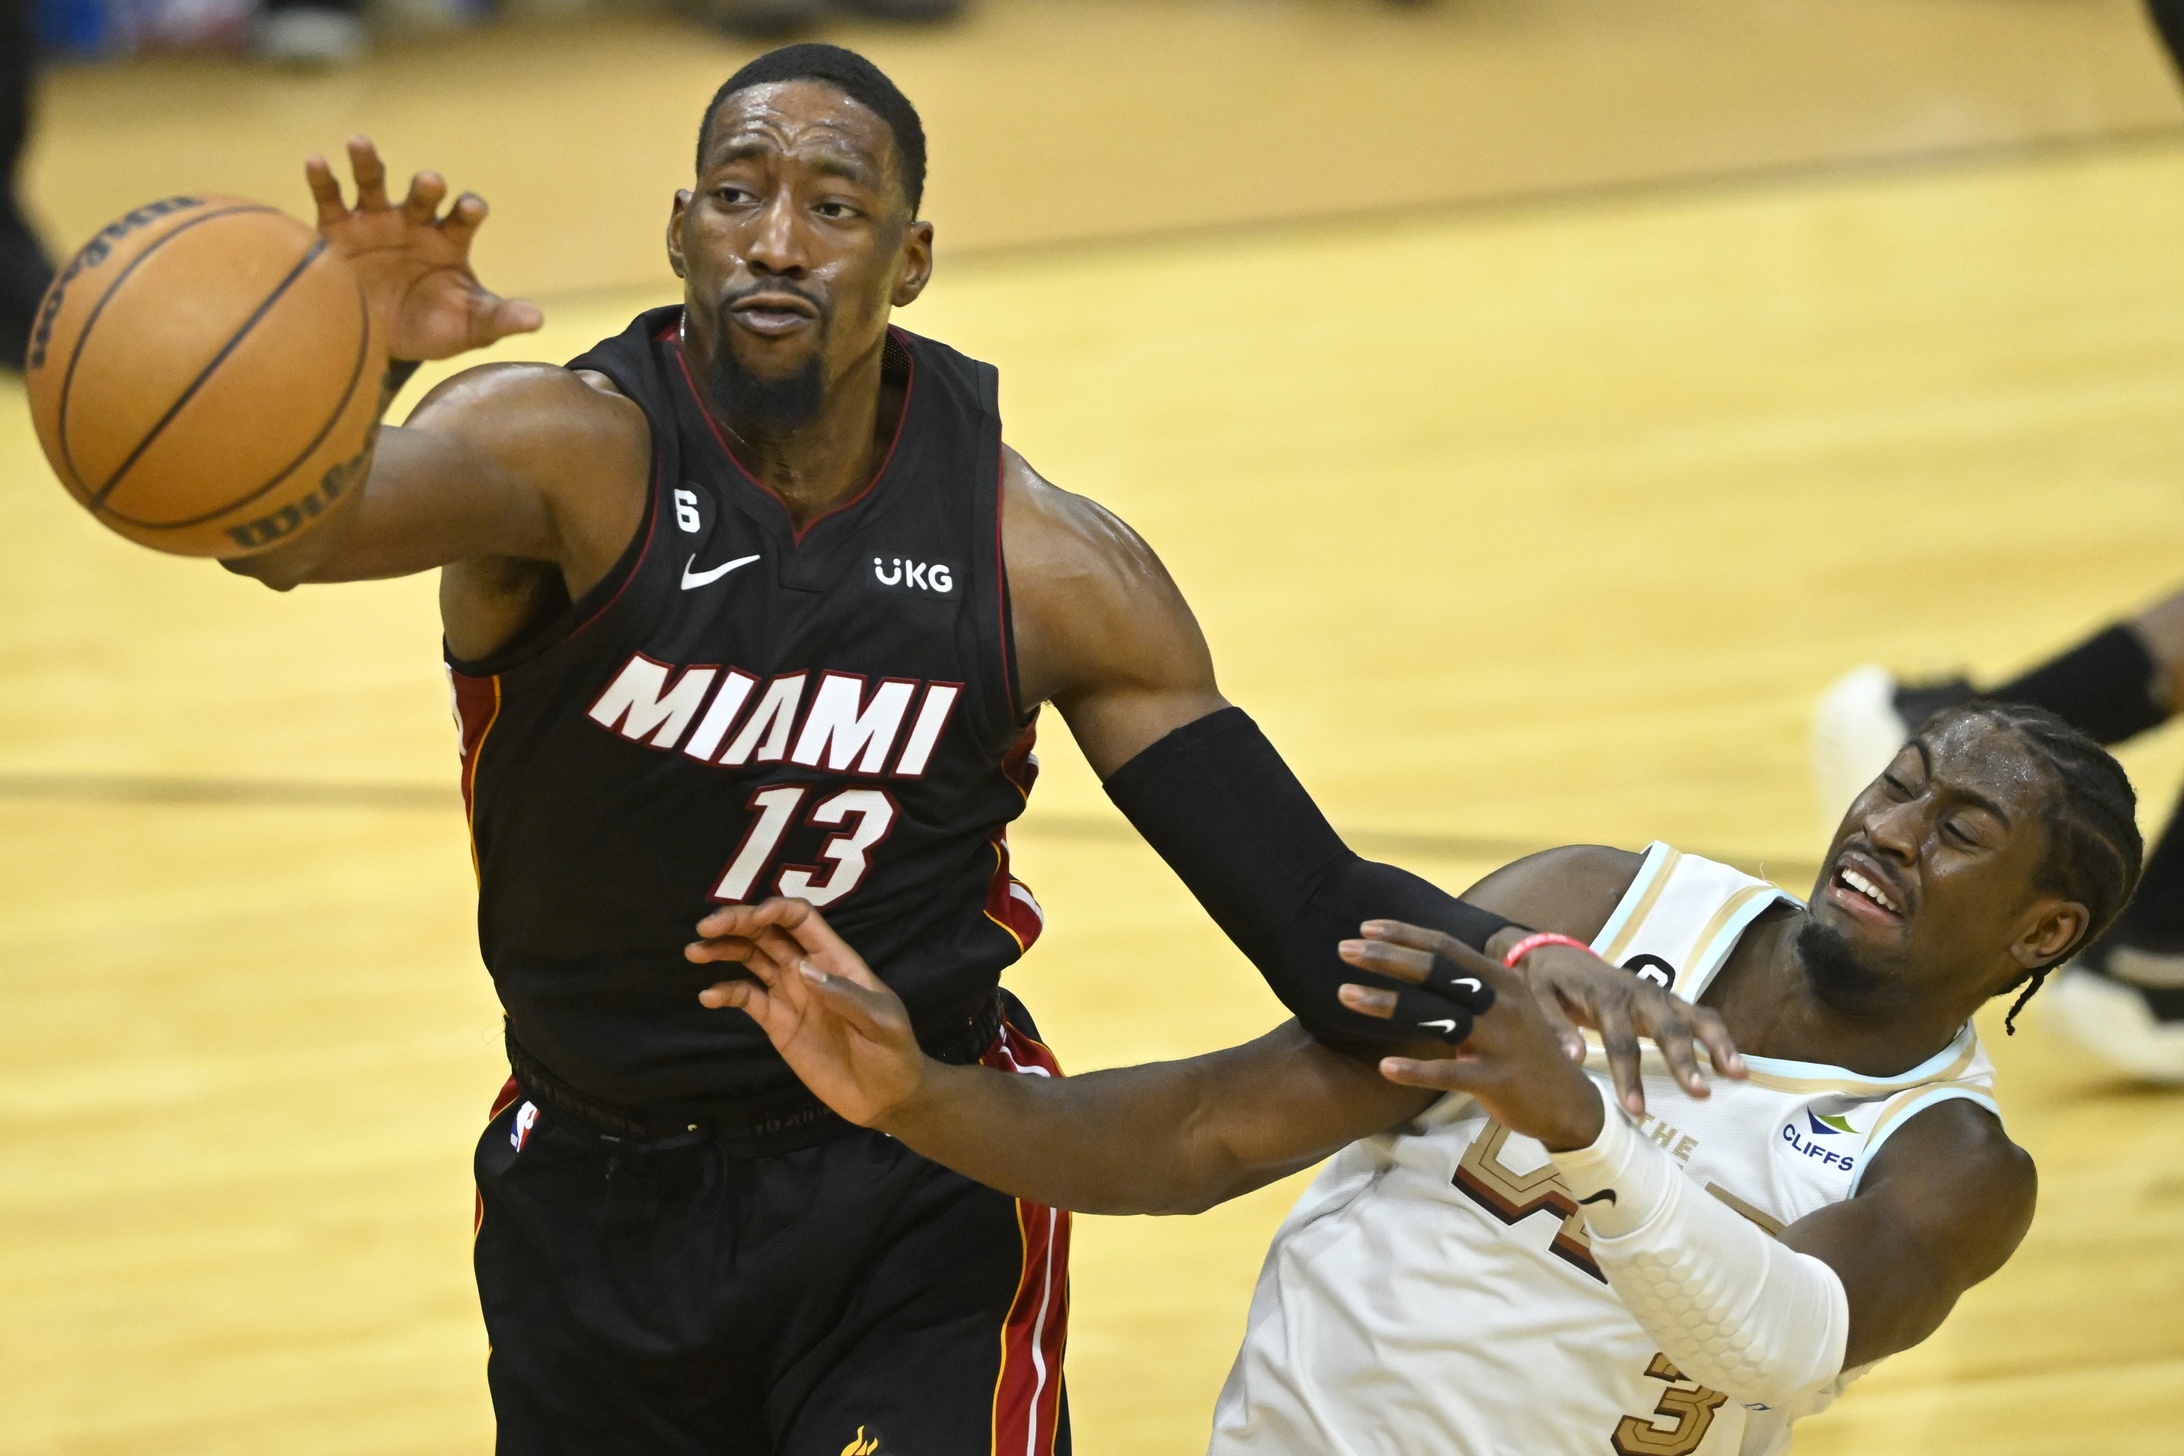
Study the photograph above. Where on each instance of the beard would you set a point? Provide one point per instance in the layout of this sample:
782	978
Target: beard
1842	982
766	406
759	406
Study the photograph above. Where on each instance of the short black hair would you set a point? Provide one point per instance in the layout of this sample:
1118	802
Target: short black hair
853	76
2095	851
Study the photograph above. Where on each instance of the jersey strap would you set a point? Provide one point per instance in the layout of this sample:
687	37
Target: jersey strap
1676	923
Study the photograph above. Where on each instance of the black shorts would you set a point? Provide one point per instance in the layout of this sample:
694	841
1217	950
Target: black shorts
848	1299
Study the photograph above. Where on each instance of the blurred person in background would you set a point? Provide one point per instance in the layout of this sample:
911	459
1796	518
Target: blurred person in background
776	19
24	268
310	32
2122	997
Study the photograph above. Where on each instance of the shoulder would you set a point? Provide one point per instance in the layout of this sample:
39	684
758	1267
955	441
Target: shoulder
1957	1153
1091	606
1571	890
496	403
1047	529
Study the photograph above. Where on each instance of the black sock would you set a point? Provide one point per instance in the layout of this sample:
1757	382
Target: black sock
2107	687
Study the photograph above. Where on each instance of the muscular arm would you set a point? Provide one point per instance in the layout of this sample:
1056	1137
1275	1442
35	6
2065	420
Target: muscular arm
1170	1137
521	479
1166	1137
1102	632
1944	1204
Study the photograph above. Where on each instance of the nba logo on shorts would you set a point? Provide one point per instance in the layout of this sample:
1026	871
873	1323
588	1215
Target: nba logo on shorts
519	1132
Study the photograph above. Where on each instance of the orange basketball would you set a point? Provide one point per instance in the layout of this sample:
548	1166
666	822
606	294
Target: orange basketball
204	376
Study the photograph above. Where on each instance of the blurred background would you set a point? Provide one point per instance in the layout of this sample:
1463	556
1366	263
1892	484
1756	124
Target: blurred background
1539	402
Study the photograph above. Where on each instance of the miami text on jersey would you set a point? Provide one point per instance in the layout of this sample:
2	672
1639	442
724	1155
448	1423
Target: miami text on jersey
839	725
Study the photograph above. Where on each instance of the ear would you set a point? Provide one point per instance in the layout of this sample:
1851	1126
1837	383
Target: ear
675	216
2054	927
917	263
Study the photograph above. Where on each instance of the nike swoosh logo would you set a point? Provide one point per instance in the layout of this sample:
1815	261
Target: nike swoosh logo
1605	1195
1468	984
1448	1025
707	578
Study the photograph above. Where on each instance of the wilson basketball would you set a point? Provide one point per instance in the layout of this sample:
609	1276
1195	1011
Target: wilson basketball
204	376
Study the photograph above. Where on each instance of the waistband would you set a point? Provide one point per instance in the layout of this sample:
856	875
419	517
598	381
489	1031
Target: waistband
761	1123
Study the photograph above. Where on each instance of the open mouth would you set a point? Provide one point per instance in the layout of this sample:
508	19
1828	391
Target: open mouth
1866	893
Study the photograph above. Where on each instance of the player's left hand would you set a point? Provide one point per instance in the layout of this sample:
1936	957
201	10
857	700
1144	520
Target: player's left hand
414	263
1513	1061
837	1025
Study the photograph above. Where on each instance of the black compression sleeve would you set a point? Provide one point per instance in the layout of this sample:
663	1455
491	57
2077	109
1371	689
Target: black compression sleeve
1219	805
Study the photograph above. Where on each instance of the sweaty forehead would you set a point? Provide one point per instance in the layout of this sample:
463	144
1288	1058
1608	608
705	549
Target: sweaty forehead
1987	758
806	117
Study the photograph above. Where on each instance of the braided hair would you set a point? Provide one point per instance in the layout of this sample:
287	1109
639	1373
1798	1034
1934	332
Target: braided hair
2091	812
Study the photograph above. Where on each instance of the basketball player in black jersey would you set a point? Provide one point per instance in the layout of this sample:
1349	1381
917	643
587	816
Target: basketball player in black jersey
753	600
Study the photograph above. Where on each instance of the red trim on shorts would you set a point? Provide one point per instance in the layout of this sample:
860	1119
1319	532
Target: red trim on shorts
1027	1394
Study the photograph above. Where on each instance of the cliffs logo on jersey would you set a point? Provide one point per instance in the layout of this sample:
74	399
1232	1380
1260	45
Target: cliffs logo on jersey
1823	1125
840	723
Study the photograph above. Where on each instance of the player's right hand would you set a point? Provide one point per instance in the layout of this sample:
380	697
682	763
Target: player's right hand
414	263
840	1029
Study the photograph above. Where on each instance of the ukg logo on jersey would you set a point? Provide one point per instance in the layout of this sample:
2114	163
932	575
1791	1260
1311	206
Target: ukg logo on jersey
926	576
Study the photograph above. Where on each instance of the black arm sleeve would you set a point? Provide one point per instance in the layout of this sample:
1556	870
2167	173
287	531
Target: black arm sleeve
1219	805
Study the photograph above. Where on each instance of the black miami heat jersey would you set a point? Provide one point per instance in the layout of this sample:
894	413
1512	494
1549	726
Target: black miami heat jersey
743	709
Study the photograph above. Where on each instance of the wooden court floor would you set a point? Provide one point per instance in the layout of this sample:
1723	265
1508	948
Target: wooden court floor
1513	527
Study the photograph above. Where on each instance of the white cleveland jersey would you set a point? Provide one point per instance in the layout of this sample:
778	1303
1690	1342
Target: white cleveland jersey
1433	1291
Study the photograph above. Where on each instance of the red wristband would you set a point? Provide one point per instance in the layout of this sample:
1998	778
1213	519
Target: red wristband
1531	943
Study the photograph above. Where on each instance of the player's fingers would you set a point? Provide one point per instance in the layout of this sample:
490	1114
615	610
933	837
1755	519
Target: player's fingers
743	995
507	316
325	191
370	173
821	944
1448	947
719	948
1366	1001
1398	962
463	219
1621	1044
1671	1032
1721	1048
748	920
426	191
878	1015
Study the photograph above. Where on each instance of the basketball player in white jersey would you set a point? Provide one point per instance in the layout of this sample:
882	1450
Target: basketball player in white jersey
1508	1256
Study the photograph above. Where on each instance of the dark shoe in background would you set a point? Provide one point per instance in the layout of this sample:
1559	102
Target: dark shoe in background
24	273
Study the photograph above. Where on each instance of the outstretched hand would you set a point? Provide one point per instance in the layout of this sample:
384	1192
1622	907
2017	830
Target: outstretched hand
414	262
1568	988
1513	1061
836	1024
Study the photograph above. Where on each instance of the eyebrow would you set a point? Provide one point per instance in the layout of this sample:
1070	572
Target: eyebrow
1972	796
830	163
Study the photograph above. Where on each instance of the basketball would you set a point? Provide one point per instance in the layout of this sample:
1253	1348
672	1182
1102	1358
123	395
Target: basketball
204	376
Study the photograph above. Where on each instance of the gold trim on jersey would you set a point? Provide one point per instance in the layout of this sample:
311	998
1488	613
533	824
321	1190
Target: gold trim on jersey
1637	918
1697	956
1652	1064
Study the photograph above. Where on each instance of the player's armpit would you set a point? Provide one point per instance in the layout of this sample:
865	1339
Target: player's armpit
1942	1206
518	462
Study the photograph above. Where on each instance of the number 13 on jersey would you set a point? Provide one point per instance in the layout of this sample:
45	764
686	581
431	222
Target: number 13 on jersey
863	815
